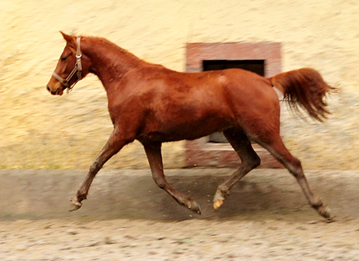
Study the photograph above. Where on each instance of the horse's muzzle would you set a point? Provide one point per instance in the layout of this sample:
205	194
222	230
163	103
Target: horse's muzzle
58	91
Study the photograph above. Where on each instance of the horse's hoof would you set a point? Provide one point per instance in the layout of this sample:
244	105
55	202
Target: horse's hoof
195	207
218	199
76	204
217	203
324	211
198	209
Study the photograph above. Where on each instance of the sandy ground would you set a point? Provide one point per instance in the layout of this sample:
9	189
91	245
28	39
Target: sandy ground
195	239
126	217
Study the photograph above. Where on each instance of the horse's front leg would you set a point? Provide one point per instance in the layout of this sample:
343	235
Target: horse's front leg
153	152
113	145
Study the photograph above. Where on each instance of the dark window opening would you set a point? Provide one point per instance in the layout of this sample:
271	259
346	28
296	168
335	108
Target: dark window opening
256	66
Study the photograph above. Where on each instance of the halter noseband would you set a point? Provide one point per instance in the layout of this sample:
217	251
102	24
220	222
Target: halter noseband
77	69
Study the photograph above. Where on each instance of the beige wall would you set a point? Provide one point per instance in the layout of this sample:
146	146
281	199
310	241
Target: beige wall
38	130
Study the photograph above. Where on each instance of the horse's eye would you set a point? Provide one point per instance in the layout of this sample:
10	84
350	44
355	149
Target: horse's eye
63	59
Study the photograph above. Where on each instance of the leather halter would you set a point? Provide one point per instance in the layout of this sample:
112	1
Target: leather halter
77	69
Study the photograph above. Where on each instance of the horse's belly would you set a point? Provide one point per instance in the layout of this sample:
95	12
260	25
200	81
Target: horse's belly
182	129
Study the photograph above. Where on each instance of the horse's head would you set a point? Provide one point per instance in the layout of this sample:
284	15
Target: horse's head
70	67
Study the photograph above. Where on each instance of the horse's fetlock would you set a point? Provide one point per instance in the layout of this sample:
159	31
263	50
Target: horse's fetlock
224	191
81	196
318	204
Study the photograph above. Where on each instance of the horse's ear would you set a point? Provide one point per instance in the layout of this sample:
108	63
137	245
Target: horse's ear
69	39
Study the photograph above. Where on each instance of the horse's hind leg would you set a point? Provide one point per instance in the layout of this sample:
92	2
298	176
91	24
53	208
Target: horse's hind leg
153	152
280	152
242	145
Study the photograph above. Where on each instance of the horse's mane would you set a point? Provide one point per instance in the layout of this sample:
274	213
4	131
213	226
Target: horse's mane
111	46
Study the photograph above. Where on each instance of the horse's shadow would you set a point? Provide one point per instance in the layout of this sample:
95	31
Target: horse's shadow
258	196
248	200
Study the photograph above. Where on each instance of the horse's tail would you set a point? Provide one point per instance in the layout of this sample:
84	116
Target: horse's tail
304	88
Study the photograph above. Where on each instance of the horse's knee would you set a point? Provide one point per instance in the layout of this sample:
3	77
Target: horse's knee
295	168
161	183
95	166
296	164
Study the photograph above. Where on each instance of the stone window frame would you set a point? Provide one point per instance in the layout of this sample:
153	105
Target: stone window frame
201	153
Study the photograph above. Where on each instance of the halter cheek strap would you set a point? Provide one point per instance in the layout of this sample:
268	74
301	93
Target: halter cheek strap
77	69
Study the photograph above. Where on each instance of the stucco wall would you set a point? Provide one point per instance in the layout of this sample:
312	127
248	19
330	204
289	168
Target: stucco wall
38	130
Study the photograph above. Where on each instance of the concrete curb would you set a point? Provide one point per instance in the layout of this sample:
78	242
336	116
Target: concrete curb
127	193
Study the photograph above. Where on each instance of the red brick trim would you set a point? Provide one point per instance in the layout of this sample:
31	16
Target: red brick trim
200	152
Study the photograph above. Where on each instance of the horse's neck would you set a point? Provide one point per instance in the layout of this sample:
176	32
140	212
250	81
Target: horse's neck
109	62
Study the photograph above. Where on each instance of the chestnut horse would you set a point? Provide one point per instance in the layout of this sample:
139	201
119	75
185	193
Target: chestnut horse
153	104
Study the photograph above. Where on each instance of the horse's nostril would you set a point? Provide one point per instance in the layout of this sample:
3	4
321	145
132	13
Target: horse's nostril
48	88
